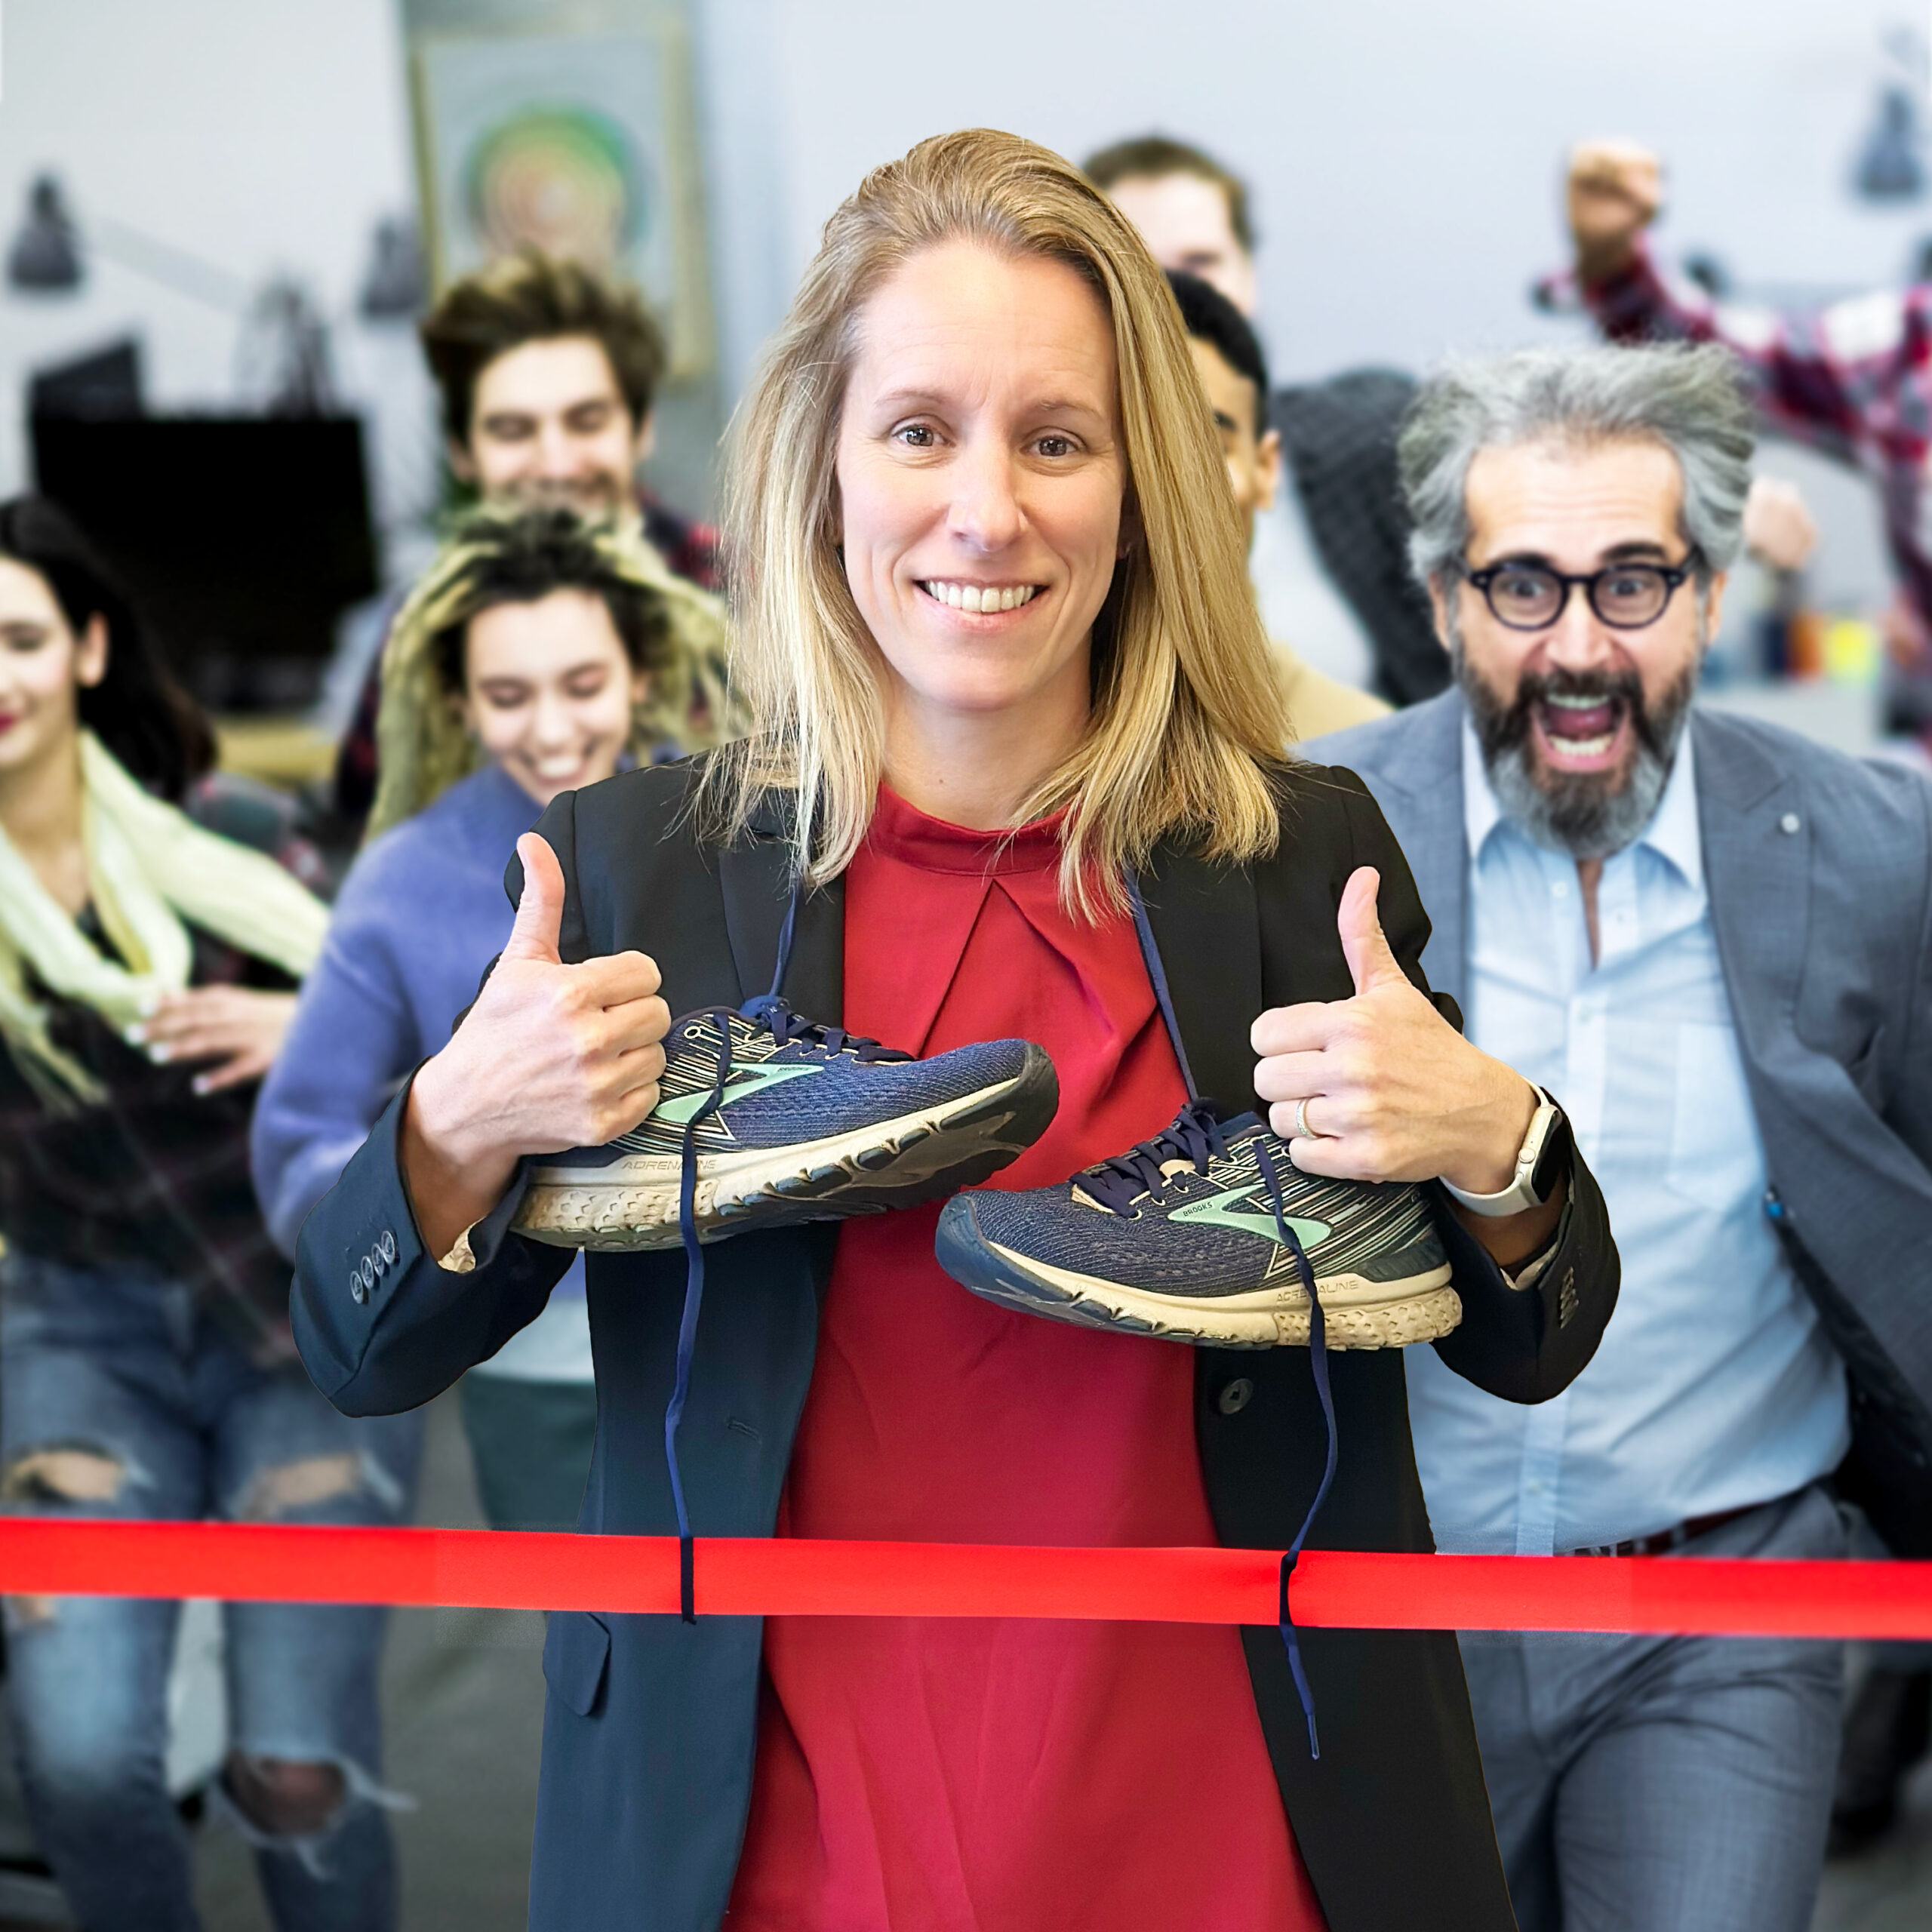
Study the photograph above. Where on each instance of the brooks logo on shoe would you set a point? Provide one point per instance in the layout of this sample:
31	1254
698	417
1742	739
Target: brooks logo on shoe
741	1081
1198	1238
1238	1209
792	1121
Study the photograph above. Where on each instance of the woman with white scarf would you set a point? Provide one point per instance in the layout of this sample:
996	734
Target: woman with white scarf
147	970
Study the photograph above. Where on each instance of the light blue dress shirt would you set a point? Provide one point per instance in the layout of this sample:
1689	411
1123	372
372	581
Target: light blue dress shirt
1714	1386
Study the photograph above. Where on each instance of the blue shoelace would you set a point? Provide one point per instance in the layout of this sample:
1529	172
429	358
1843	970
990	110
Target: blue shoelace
1196	1137
770	1011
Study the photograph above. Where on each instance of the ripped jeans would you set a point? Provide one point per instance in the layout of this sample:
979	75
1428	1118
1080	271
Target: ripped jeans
117	1399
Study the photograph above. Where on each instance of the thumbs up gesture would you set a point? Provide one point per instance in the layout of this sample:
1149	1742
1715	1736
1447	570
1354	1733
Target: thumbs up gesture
549	1056
540	912
1393	1092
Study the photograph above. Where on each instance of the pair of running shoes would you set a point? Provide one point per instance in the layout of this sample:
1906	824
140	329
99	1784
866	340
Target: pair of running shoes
1207	1234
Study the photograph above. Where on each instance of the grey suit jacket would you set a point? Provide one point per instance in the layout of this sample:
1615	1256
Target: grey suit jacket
1819	871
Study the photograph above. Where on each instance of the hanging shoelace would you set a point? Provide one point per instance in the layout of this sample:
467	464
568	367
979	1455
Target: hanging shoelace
1196	1137
770	1011
1318	1362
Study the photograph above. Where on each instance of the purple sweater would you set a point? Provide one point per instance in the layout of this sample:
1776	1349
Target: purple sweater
421	915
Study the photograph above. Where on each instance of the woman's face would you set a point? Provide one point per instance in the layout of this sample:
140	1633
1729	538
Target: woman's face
981	480
549	690
42	667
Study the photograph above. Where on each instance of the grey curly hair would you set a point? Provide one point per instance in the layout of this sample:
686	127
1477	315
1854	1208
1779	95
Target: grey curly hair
1690	399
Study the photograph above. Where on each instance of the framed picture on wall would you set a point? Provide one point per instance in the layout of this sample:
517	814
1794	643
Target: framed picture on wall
585	146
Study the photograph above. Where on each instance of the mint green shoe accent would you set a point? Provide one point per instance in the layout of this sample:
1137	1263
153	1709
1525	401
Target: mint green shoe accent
745	1080
1217	1211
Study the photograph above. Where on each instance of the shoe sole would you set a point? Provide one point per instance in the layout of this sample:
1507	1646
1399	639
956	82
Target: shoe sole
870	1170
1358	1313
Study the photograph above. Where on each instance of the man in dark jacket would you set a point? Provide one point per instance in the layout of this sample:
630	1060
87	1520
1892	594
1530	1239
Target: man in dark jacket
1338	435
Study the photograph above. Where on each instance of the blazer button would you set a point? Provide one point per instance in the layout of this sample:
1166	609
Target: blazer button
357	1291
1235	1396
387	1246
368	1273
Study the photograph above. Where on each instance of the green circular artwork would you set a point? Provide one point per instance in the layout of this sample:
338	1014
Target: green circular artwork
565	179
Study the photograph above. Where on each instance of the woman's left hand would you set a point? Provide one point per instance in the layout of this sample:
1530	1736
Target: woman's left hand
1393	1092
237	1027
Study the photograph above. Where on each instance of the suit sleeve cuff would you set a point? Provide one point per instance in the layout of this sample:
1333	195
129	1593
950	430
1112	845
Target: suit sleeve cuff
476	1247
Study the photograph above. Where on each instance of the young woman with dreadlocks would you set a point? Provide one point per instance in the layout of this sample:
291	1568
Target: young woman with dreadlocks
536	656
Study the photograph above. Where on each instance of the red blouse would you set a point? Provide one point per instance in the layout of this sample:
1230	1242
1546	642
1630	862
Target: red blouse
956	1775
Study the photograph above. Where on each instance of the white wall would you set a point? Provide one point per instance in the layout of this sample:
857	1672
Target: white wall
259	135
1404	154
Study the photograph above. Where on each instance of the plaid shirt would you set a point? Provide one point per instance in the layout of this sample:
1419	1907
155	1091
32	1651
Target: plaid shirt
1854	380
158	1174
691	548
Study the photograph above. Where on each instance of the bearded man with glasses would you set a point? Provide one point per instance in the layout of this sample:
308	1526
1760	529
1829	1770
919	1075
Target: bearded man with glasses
1710	940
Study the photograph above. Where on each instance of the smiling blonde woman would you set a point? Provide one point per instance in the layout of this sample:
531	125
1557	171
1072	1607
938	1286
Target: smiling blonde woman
1183	721
1004	671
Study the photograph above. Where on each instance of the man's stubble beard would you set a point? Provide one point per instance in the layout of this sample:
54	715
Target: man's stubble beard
593	498
1588	815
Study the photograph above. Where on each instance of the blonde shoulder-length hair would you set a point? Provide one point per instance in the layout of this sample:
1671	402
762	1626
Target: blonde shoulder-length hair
1187	728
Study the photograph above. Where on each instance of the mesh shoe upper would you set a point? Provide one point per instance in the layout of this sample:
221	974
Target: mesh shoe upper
782	1092
1203	1235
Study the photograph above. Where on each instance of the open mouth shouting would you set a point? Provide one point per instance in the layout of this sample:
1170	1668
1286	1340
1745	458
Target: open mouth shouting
979	599
1581	730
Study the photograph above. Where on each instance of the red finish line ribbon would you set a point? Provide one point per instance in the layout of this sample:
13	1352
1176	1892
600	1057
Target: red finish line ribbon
485	1569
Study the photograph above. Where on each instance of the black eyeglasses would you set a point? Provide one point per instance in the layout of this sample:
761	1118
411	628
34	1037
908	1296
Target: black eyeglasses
1531	597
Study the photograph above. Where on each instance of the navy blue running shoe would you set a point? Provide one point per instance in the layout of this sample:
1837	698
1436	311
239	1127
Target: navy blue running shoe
1183	1237
792	1122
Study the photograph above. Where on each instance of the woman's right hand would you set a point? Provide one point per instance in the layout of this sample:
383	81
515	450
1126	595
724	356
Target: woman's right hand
550	1056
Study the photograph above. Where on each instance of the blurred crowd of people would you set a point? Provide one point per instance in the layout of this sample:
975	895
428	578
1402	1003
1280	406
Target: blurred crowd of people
1709	944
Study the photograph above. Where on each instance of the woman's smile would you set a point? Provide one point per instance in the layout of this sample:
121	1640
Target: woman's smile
979	599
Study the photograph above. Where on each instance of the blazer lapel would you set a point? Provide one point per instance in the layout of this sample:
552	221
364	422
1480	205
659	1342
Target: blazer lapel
754	878
1757	876
1207	932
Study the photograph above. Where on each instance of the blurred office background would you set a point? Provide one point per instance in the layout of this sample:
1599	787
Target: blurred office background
235	175
253	197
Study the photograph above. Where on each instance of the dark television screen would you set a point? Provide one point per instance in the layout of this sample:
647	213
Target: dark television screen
241	538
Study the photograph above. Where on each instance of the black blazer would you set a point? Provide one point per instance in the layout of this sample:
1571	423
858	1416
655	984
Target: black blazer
650	1729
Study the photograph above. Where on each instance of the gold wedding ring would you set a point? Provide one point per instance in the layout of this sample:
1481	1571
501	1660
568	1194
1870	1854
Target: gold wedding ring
1302	1130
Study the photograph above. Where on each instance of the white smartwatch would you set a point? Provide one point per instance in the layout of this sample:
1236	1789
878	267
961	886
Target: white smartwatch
1540	1162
